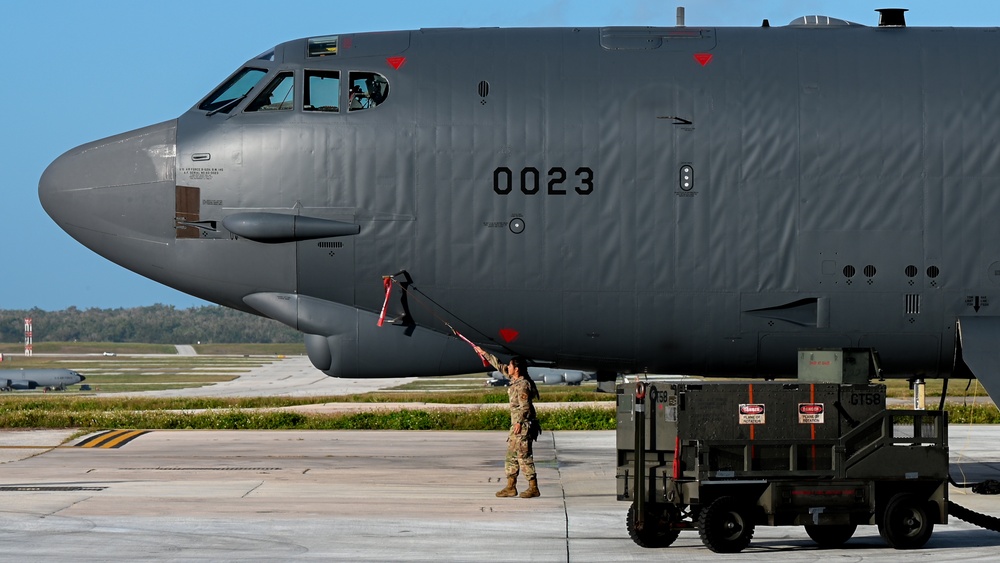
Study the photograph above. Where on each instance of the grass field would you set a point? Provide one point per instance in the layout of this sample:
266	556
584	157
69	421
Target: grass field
87	348
99	348
142	367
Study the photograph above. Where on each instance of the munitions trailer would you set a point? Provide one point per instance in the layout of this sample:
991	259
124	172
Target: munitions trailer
723	458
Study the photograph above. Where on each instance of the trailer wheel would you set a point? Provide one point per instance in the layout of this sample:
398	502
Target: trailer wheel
725	526
831	536
905	523
656	530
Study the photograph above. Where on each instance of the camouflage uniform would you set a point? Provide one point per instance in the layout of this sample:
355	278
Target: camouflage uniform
519	455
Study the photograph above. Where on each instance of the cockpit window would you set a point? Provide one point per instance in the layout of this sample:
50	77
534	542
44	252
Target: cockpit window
279	95
323	46
367	90
322	91
228	96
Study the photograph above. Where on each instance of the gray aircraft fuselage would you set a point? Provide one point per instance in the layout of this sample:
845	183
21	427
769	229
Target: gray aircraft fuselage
677	200
38	378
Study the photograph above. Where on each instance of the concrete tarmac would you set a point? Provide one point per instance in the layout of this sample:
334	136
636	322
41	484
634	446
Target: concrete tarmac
293	376
377	496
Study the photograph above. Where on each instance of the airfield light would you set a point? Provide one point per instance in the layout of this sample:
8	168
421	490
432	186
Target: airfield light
27	336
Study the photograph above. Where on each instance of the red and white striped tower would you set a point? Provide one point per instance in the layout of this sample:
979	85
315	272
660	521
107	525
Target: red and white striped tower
27	337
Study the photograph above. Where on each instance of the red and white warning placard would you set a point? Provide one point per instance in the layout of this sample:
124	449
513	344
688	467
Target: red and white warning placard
811	413
751	414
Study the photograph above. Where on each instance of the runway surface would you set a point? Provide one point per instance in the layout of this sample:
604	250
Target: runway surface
293	376
374	496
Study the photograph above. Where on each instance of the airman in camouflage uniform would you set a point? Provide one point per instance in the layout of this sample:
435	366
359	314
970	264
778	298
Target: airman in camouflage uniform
521	394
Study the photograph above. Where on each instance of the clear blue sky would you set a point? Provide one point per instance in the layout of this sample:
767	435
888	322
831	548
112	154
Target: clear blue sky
79	71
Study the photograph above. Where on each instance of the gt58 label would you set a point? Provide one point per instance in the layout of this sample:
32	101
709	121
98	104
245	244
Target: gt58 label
866	399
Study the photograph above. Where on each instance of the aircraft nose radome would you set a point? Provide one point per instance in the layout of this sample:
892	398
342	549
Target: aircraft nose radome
121	187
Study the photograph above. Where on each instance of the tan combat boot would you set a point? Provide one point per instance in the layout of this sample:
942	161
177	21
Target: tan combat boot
509	490
532	489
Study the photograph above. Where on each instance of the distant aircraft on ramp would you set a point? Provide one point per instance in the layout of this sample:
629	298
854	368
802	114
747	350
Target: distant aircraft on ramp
15	379
545	376
696	200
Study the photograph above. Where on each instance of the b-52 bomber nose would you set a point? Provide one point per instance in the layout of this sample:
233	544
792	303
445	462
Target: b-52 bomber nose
694	200
116	195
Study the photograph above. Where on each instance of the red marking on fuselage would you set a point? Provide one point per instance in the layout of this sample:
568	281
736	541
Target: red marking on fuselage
509	335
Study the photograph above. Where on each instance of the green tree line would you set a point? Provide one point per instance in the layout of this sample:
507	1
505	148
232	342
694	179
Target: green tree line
156	324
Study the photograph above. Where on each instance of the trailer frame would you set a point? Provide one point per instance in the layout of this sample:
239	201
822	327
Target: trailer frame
868	466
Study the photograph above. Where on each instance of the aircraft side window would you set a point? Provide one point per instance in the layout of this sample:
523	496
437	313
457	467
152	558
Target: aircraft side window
279	95
322	91
367	90
228	96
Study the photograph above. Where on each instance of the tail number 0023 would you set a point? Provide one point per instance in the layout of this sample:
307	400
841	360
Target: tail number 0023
531	181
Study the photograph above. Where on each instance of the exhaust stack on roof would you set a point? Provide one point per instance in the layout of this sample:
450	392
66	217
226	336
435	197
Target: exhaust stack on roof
892	17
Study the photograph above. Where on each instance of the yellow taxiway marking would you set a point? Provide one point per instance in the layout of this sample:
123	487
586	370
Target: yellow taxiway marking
111	439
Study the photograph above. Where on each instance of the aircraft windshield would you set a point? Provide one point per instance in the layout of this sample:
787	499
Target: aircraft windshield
322	90
279	95
227	96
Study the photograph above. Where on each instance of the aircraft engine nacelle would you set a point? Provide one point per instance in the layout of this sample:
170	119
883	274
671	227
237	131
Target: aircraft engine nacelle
21	384
346	342
552	378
